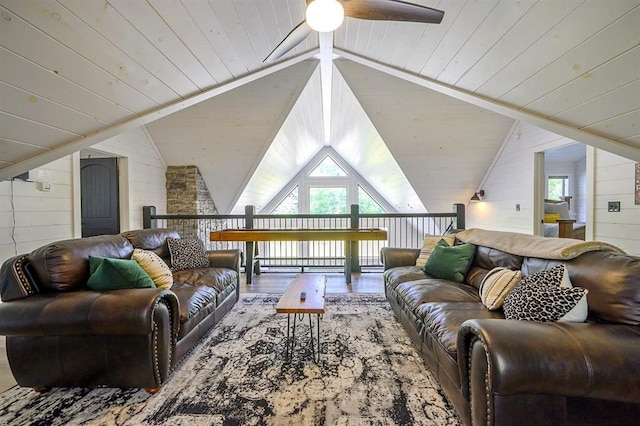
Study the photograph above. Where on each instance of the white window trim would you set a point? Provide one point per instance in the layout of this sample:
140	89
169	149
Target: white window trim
304	182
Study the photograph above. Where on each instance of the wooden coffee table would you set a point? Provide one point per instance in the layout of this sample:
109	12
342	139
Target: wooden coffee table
290	303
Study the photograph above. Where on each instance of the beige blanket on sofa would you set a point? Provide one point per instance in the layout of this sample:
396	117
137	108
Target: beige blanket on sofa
533	245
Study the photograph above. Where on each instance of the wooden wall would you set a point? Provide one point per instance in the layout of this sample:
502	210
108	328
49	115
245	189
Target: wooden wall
510	181
614	181
42	217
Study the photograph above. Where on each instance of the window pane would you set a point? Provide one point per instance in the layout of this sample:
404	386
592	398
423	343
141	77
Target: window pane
289	205
368	204
557	187
331	200
327	168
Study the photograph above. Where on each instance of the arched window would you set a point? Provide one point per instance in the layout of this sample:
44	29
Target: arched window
327	185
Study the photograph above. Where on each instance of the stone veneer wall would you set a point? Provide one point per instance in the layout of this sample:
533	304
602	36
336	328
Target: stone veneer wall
187	193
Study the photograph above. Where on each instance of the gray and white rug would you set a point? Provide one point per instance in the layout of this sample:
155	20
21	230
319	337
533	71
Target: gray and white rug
369	374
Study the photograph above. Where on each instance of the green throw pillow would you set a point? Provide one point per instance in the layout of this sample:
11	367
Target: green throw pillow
450	262
113	274
94	262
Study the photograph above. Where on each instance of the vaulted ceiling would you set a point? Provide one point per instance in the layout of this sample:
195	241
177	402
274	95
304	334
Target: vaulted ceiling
432	103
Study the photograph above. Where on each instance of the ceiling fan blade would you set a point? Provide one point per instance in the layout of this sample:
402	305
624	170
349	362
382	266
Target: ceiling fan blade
294	38
391	10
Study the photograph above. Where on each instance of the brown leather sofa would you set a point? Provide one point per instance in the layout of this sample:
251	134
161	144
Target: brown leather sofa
508	372
60	333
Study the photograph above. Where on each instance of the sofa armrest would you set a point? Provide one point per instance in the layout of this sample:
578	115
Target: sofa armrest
395	256
508	357
78	313
230	259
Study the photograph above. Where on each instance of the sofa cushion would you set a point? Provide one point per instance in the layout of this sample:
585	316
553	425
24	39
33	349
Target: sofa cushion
450	262
187	254
414	293
152	239
489	258
153	265
216	278
475	276
443	320
64	265
613	281
114	274
429	244
196	303
496	286
402	274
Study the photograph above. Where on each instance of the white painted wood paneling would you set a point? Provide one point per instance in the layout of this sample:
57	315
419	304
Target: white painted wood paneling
429	134
94	64
39	81
40	110
461	31
618	72
431	38
19	37
542	17
111	24
363	148
225	137
300	138
14	128
574	32
615	181
581	190
40	217
43	217
511	181
488	33
144	19
58	22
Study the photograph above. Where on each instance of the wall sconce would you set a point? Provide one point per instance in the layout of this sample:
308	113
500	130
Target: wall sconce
477	196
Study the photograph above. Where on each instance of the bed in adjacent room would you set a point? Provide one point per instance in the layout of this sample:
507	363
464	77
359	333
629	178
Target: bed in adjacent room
560	222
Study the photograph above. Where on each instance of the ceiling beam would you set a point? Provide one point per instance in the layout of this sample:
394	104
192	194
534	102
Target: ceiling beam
326	78
109	132
578	135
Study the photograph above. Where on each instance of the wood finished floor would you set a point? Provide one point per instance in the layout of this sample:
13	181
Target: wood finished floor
267	282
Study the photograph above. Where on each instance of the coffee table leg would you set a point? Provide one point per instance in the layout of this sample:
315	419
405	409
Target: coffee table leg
291	337
315	345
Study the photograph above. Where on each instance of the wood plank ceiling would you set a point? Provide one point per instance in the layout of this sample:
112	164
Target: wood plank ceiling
75	72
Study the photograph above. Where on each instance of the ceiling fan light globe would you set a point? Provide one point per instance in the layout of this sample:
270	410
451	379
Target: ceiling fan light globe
325	15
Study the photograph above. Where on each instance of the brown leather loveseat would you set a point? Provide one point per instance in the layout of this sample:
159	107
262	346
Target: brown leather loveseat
515	372
60	333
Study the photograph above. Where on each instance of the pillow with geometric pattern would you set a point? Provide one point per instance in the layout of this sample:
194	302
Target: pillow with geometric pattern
540	297
187	254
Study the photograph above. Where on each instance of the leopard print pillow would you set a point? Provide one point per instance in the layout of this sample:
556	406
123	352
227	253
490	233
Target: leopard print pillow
187	254
539	297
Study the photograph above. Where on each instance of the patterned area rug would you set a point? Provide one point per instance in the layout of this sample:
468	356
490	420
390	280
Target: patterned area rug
369	374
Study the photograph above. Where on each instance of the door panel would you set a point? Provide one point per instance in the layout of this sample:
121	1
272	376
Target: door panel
99	196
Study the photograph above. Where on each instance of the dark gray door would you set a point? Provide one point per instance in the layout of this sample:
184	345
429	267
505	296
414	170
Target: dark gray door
99	196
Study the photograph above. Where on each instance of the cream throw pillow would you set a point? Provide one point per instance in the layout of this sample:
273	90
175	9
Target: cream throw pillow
429	244
496	285
155	267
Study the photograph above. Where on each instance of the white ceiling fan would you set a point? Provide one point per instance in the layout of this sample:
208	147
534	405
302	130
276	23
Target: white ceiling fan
327	15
